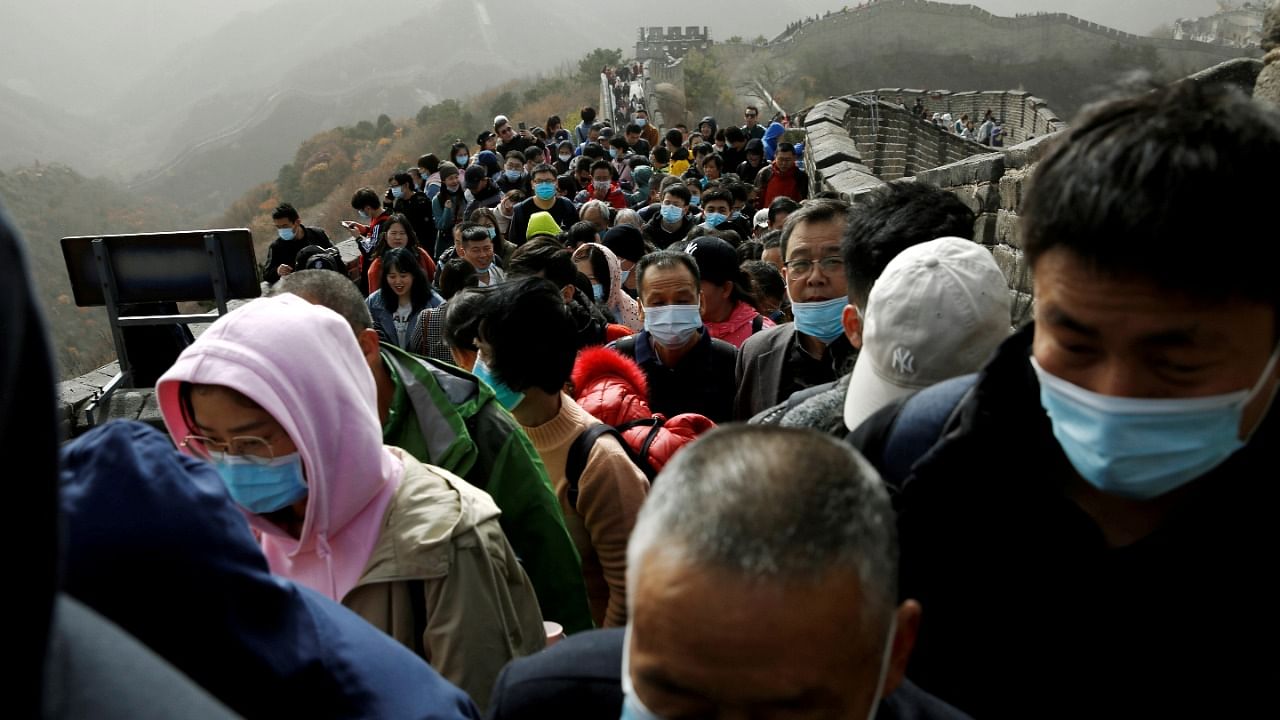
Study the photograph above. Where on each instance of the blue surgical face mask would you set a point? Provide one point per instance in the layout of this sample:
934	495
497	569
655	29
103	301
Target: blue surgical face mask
713	219
672	325
695	201
260	485
508	398
285	233
613	153
625	274
545	190
821	319
514	175
397	193
642	122
493	232
461	160
1142	448
597	291
704	182
672	214
363	215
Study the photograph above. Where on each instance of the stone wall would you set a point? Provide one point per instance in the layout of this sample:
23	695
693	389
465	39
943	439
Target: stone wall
856	143
1023	115
992	186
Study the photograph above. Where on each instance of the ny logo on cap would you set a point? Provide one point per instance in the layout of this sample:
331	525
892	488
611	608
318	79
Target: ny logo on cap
903	361
691	248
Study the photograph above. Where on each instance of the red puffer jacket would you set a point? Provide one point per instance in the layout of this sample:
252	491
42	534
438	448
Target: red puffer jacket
614	390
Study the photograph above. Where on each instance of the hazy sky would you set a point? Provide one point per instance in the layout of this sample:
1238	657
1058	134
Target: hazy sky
84	48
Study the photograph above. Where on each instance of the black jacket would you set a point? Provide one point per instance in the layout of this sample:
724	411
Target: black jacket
1027	606
581	677
660	236
284	252
417	207
702	382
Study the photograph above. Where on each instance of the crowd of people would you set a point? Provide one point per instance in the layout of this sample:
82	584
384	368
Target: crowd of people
597	431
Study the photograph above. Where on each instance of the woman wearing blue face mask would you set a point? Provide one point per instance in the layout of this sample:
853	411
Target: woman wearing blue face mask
279	398
602	268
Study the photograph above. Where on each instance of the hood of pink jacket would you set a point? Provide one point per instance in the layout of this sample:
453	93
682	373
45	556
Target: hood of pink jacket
302	364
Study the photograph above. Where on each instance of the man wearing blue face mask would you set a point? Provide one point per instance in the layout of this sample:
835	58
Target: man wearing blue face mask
544	199
291	236
671	223
1100	506
688	370
813	350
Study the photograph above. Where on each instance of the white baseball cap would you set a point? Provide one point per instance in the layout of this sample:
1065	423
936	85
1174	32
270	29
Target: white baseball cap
938	311
762	218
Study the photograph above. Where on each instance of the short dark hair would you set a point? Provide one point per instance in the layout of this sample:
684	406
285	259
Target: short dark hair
1130	186
285	211
535	152
772	239
713	159
580	232
588	115
401	178
782	204
515	155
734	134
544	257
632	128
666	259
750	250
786	147
456	274
542	168
523	313
604	165
474	233
593	151
674	137
769	282
891	219
429	162
679	190
660	154
365	197
817	211
717	193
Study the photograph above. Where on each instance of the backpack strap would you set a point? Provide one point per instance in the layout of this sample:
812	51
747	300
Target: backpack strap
757	323
580	450
641	458
897	436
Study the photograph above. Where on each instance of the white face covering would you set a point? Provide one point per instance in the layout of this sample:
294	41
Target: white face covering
633	708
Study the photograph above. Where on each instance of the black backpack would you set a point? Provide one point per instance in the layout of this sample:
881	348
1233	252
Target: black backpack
314	257
581	448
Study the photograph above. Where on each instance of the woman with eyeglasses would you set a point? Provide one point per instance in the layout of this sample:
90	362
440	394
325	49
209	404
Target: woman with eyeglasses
278	397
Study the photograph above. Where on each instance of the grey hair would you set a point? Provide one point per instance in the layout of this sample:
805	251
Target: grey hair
594	205
331	290
773	503
628	217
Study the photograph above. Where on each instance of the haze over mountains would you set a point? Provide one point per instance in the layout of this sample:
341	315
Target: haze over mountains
151	93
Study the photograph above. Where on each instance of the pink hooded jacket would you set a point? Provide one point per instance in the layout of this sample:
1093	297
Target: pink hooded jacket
301	363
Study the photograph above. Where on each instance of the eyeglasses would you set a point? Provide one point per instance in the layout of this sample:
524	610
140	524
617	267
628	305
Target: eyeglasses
829	265
252	448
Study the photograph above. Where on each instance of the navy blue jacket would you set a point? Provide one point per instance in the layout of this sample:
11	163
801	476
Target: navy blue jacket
155	544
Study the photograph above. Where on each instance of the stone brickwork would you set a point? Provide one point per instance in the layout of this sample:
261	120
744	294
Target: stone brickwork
1023	115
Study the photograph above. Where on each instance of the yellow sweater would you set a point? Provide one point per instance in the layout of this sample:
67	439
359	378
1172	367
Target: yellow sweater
610	493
